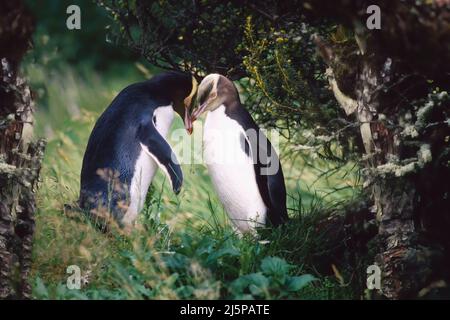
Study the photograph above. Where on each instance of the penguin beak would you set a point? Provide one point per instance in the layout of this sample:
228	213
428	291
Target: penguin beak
188	121
197	112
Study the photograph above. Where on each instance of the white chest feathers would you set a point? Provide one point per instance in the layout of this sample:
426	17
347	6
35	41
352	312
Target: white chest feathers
162	118
231	171
145	167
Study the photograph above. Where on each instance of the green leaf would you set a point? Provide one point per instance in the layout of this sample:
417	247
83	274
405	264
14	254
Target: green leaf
275	266
230	251
257	283
61	291
176	262
40	290
297	283
239	285
185	292
258	280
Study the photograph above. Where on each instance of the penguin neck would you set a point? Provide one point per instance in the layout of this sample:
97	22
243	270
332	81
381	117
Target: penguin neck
229	100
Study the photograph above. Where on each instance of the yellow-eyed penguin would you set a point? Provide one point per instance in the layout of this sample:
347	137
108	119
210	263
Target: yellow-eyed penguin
243	165
128	143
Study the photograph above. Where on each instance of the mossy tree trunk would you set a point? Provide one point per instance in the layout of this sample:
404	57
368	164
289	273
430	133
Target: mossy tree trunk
386	87
405	261
20	158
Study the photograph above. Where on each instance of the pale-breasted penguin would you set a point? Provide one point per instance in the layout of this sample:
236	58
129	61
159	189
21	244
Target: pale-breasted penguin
250	183
128	143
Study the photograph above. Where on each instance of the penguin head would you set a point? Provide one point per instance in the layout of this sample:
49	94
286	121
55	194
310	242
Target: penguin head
214	90
181	89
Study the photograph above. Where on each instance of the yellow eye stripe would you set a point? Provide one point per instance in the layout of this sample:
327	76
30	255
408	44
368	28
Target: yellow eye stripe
188	99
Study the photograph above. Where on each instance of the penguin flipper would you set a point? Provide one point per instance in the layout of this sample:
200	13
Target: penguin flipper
269	177
154	144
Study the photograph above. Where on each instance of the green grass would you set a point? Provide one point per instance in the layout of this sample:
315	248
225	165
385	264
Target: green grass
183	246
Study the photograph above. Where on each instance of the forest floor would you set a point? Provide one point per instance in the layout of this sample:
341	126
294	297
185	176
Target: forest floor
183	246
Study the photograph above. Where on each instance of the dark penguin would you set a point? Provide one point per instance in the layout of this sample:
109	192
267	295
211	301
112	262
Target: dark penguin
244	167
128	143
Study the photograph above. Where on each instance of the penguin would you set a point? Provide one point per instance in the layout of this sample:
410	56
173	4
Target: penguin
127	145
250	182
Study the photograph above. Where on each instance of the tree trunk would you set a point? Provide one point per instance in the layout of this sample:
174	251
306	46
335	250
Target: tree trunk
20	159
401	258
406	256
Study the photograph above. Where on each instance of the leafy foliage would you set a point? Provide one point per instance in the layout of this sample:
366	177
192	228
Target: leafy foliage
266	47
176	34
273	281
